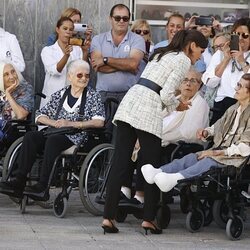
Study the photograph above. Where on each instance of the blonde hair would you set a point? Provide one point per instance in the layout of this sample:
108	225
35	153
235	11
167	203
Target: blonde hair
69	12
141	22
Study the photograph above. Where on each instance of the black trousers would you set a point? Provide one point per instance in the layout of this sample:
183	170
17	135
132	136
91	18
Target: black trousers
34	142
150	153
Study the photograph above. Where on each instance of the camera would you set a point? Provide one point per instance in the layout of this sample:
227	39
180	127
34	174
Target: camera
80	27
234	43
204	20
78	41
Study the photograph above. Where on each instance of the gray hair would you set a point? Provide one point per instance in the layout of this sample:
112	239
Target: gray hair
76	63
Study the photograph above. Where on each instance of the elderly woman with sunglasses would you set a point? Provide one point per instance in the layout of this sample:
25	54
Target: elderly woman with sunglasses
226	68
231	137
64	109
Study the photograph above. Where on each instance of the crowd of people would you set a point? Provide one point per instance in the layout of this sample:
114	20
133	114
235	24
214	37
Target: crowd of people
186	88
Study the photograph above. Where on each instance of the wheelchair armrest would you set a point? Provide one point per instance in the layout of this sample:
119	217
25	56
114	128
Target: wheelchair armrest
19	122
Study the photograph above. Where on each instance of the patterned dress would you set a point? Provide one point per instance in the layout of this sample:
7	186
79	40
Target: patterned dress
94	109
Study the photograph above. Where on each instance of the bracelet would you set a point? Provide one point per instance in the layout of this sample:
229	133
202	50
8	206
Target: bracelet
81	125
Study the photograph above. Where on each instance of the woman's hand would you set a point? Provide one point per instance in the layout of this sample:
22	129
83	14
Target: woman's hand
201	134
183	106
62	123
238	56
68	49
11	89
209	153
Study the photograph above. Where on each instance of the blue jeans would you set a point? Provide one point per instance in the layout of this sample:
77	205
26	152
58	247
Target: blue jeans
190	166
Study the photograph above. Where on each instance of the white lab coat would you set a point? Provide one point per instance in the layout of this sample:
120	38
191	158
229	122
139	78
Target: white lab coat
10	50
55	80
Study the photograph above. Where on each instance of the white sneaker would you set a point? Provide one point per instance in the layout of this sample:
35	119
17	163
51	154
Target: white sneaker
166	182
149	172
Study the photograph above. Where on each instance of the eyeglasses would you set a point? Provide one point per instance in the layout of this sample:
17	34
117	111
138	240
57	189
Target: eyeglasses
119	18
243	34
192	81
81	75
145	32
219	46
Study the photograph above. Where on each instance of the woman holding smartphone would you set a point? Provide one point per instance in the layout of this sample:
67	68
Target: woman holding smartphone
56	57
227	67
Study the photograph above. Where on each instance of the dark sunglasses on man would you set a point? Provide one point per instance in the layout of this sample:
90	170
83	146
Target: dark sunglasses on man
119	18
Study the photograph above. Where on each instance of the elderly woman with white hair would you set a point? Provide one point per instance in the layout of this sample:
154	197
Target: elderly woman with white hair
76	105
16	95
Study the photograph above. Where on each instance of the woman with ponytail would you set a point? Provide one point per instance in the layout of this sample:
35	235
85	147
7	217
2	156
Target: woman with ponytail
139	115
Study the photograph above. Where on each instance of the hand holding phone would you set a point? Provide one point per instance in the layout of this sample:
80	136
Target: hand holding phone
234	43
204	20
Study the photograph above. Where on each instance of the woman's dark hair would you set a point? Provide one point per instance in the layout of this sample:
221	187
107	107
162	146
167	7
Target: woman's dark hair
62	20
247	78
245	21
180	40
60	23
119	6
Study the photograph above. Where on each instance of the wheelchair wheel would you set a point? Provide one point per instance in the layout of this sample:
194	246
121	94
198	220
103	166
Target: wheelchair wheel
235	228
10	159
220	213
206	206
194	220
93	177
163	216
9	164
60	206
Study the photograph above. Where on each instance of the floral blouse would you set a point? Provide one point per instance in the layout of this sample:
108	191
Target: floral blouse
94	109
23	95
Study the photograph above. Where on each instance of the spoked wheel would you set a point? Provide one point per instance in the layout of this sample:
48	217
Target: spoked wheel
23	204
195	220
220	213
235	228
163	216
93	177
60	206
121	215
207	208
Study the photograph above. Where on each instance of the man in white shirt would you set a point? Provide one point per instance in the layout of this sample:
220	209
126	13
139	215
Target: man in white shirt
10	50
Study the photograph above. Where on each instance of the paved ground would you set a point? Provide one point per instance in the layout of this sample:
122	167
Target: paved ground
39	229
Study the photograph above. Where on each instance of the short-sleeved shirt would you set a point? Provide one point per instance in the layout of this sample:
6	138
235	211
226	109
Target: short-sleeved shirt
94	109
118	81
24	97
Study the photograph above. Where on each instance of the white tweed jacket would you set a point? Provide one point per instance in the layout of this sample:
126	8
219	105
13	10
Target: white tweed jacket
142	107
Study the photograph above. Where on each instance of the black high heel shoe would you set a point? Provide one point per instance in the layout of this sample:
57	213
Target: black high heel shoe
112	230
154	229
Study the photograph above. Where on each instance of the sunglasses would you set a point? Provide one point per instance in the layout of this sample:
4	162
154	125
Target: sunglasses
192	81
145	32
81	75
220	46
243	35
119	18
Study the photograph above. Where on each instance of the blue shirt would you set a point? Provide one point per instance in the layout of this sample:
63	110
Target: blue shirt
161	44
118	81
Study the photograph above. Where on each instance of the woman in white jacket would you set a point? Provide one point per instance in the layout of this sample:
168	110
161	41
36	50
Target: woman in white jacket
57	56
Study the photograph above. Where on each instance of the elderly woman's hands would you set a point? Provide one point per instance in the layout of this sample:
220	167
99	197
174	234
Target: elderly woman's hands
11	89
62	123
208	153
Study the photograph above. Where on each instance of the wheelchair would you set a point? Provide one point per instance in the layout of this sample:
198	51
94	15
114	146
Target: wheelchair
70	168
12	131
219	195
93	191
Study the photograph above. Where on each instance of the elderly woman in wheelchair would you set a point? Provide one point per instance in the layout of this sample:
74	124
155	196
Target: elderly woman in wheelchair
76	106
16	104
231	137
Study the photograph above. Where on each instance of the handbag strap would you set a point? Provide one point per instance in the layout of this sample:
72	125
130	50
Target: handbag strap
82	104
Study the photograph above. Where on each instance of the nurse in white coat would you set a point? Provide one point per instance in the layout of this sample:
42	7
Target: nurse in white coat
56	57
10	51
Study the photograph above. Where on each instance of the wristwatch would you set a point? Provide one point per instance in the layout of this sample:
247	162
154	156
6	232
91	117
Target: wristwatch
105	60
243	65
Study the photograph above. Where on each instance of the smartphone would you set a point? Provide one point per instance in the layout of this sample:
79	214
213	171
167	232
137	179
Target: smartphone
234	43
78	41
204	20
80	27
